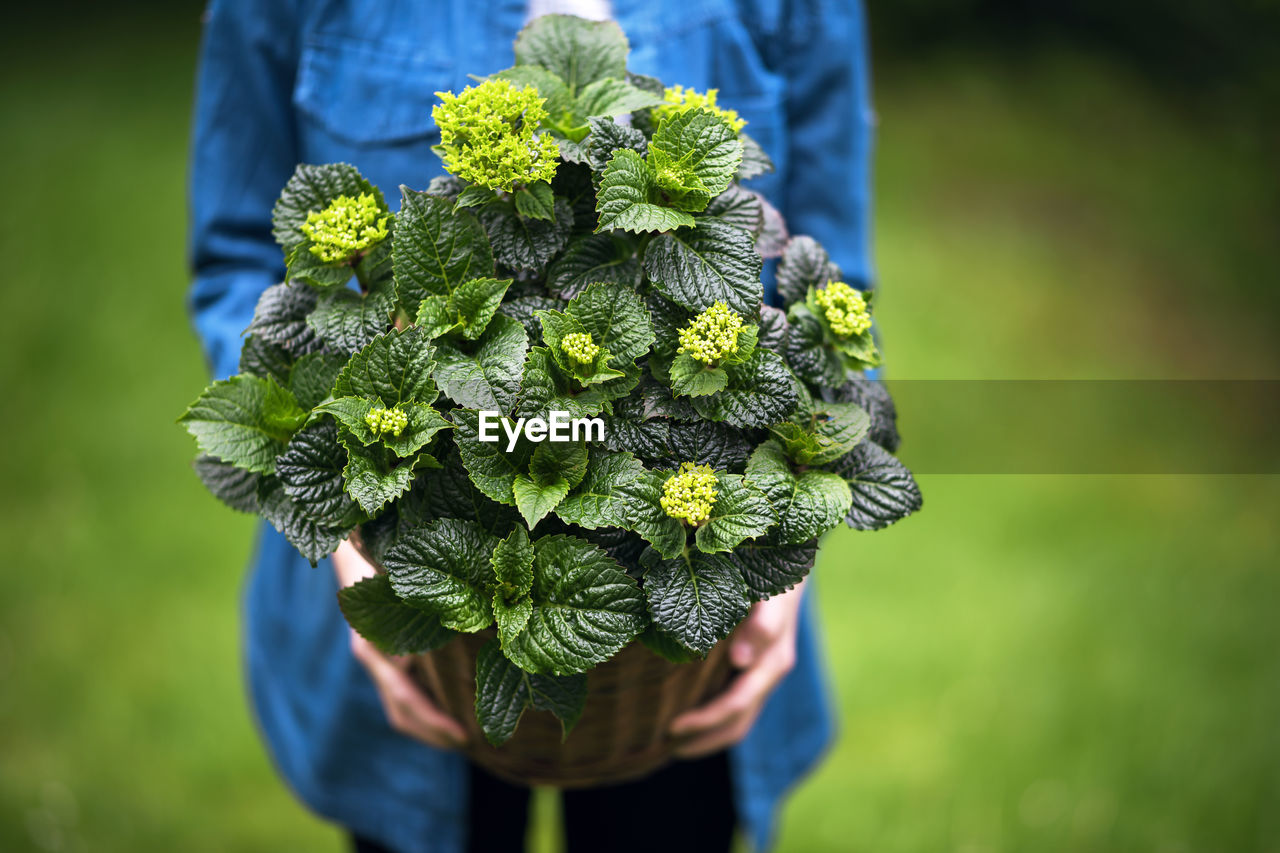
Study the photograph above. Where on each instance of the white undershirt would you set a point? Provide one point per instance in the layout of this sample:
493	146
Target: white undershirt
594	10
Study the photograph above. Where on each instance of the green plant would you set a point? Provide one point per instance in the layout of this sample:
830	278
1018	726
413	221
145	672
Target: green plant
619	281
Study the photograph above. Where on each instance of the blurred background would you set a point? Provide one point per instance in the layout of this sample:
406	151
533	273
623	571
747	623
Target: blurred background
1081	190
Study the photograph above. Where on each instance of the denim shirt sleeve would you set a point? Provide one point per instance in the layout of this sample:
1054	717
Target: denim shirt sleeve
243	150
827	191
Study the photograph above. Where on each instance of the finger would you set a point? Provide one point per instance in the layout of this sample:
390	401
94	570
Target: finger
719	738
409	709
747	689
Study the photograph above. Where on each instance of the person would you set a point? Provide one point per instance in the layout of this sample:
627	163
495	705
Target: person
288	81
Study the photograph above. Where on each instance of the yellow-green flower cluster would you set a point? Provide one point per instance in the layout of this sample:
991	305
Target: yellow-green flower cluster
579	347
845	308
680	99
712	335
487	135
347	226
690	493
384	422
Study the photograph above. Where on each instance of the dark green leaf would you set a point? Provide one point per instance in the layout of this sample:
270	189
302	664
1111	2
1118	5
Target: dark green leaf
504	691
235	487
586	608
741	511
436	248
617	320
623	200
874	399
804	264
694	155
736	206
281	318
576	50
771	570
754	161
260	357
536	201
883	489
591	259
606	137
490	467
710	263
824	434
313	541
311	472
708	443
487	377
696	599
526	244
808	353
396	628
375	474
244	420
393	368
313	377
444	569
760	392
347	320
808	504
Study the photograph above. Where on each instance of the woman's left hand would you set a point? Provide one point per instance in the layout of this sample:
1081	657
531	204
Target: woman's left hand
764	648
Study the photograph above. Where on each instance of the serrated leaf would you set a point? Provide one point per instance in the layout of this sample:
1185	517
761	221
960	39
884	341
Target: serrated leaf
313	377
741	511
526	244
312	188
874	399
545	388
536	201
377	614
375	475
585	608
623	200
244	420
347	320
280	317
576	50
695	155
808	504
711	263
807	352
474	302
423	422
313	541
609	98
473	196
883	489
553	460
692	378
266	360
491	469
444	569
648	439
825	434
771	570
235	487
449	493
534	501
504	692
666	646
512	561
302	265
555	327
524	308
591	259
736	206
488	376
760	392
606	137
616	319
394	368
618	491
772	237
698	599
310	470
436	248
721	446
512	616
804	264
755	161
773	329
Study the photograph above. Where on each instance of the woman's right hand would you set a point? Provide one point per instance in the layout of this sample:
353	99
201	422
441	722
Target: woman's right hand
409	710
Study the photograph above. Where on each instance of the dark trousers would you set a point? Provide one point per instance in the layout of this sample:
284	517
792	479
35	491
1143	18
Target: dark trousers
686	807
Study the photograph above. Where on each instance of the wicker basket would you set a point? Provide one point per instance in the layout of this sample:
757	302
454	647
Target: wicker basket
622	734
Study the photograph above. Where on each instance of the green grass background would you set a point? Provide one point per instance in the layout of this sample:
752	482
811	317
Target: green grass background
1034	663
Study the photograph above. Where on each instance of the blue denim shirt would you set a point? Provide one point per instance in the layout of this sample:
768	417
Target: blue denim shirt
289	81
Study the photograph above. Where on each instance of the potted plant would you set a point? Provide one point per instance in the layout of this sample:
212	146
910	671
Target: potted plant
547	399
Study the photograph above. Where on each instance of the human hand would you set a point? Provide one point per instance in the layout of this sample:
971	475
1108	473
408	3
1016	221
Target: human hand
409	710
764	648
